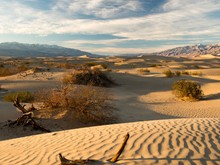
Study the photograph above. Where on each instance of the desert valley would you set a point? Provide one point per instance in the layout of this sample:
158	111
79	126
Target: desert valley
163	128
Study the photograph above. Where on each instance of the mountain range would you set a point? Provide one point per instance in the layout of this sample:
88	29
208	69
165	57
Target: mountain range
194	50
15	49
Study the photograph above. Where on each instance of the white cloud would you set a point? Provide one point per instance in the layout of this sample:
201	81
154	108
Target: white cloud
180	18
98	8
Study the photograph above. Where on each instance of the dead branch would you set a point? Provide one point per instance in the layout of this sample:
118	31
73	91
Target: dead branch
115	158
65	161
19	106
27	118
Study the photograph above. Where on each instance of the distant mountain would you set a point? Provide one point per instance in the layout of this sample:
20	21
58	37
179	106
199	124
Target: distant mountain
195	50
14	49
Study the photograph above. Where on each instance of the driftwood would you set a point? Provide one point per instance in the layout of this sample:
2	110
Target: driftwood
17	104
27	118
121	149
65	161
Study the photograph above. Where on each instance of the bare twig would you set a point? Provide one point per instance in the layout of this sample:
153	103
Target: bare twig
19	106
65	161
115	158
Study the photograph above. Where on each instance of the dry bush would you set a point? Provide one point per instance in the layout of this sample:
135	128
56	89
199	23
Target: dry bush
177	73
65	65
87	76
185	73
7	71
196	73
144	70
153	65
169	73
187	89
89	64
86	103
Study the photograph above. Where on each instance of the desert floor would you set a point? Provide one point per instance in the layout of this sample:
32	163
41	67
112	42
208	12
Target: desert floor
139	97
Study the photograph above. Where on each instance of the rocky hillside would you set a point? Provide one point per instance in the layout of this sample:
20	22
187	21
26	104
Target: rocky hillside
195	50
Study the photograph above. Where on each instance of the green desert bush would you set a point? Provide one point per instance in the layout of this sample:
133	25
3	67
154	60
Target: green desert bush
23	96
87	76
169	73
87	104
187	89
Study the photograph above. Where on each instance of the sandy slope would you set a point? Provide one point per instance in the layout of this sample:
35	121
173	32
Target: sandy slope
175	141
150	98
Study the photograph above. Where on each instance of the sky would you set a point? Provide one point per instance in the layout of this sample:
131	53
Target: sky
111	27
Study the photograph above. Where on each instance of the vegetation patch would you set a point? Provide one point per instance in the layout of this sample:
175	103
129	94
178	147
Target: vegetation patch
88	104
187	89
23	96
7	71
196	73
144	70
169	73
177	73
87	76
185	73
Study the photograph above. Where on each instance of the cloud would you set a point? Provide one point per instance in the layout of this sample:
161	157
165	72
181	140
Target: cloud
99	9
173	20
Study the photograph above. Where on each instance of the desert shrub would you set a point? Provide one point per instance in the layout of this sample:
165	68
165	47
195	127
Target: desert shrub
22	68
86	103
185	72
104	66
65	65
196	73
23	96
89	64
87	76
144	70
177	73
7	71
109	70
168	73
187	89
196	66
153	65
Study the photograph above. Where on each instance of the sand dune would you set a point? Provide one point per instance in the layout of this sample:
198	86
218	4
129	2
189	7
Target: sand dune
175	141
138	97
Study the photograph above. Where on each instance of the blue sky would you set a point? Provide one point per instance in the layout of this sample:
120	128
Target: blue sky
111	26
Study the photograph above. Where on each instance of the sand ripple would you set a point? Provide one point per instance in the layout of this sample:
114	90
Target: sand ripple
176	141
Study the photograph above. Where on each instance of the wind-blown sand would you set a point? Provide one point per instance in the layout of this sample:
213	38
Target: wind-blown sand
138	97
176	141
